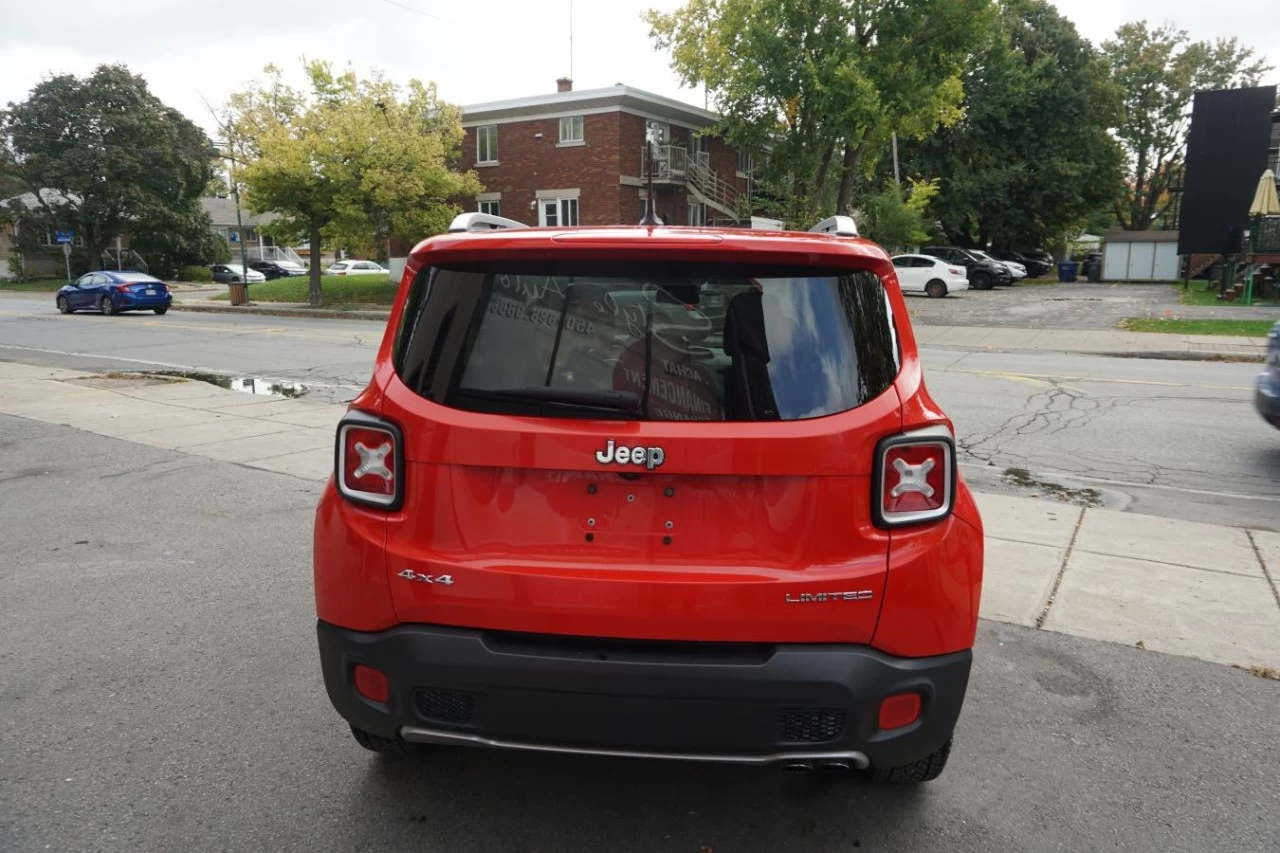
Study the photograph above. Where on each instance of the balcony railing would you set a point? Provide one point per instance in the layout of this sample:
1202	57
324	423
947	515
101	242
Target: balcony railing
673	163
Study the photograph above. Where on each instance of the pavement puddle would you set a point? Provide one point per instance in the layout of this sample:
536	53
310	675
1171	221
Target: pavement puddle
278	389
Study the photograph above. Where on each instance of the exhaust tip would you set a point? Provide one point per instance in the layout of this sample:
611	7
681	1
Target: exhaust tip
838	766
798	766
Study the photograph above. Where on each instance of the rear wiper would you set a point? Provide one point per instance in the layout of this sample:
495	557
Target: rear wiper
621	401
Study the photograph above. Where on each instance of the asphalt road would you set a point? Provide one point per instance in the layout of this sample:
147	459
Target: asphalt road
160	691
1173	438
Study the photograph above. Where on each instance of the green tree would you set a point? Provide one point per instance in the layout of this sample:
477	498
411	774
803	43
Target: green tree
1033	156
896	219
105	157
1159	70
821	84
353	161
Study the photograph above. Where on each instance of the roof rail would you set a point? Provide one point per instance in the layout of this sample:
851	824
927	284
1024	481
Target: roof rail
481	222
841	226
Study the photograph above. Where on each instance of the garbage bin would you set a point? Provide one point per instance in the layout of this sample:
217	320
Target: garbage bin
239	293
1067	270
1093	271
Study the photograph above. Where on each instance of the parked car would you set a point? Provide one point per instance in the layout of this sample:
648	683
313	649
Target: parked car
572	514
115	291
983	274
357	268
1268	395
1017	271
1034	266
234	273
1043	257
926	274
278	269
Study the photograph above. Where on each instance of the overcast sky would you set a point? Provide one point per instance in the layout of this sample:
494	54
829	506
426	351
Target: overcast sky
476	51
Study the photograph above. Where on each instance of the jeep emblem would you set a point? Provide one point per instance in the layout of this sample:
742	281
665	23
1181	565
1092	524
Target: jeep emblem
648	457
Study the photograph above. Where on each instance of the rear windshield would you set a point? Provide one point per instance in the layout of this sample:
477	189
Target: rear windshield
651	343
134	276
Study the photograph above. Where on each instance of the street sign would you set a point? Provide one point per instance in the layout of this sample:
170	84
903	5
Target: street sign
233	236
66	249
64	237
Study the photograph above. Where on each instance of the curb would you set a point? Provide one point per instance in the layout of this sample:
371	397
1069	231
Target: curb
308	313
1183	355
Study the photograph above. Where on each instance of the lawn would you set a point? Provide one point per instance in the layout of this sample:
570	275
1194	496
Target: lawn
43	285
335	289
1200	294
1234	328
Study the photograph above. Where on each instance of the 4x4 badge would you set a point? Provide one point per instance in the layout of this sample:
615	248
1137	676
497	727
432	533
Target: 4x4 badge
411	575
649	457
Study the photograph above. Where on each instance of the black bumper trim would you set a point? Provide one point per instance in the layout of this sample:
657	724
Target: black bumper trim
686	701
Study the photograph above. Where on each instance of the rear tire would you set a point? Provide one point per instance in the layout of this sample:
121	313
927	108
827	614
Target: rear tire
164	310
386	745
925	770
63	305
106	306
981	281
936	288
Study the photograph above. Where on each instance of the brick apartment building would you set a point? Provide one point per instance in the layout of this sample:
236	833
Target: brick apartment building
578	158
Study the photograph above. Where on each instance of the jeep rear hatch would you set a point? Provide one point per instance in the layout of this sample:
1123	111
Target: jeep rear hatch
662	451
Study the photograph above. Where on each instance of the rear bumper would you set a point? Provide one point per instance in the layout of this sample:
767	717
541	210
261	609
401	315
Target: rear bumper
126	303
729	702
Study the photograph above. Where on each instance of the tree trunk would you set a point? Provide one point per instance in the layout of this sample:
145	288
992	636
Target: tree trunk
313	289
852	156
820	182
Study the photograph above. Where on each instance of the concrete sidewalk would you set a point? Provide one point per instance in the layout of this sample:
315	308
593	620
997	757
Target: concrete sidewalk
1198	590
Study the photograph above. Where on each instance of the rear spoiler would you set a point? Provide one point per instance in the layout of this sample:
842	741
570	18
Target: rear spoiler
481	222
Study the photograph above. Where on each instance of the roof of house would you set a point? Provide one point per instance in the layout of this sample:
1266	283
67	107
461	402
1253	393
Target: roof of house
1118	236
222	211
47	196
612	98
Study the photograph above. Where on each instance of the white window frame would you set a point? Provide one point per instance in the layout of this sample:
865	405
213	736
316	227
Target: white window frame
657	132
571	123
490	206
745	157
697	213
489	133
565	206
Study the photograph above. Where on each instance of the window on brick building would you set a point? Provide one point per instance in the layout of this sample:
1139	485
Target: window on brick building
557	212
487	144
697	213
571	130
745	164
493	208
657	132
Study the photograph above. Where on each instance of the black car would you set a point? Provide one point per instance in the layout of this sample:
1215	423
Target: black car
278	269
1036	266
982	273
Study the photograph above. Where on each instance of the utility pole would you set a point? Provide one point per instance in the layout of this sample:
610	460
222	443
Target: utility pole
896	179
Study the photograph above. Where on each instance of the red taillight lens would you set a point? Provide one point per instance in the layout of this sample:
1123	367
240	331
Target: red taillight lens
955	271
899	710
122	287
370	461
372	684
915	477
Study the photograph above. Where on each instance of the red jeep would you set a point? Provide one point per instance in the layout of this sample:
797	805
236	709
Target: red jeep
652	492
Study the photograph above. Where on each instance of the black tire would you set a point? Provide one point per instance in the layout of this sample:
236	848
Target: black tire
63	305
386	745
162	310
925	770
106	306
981	281
936	288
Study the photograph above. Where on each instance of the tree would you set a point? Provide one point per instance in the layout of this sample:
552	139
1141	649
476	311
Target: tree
355	161
1159	70
895	219
1033	156
106	158
821	84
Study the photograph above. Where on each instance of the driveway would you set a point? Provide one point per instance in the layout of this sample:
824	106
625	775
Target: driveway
1067	306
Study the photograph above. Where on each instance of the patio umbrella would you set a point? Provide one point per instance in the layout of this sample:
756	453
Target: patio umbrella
1265	202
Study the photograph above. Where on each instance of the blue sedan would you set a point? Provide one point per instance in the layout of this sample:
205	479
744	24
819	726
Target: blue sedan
1268	395
113	291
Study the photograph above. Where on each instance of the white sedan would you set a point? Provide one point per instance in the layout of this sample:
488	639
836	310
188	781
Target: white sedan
350	267
1017	270
234	273
925	274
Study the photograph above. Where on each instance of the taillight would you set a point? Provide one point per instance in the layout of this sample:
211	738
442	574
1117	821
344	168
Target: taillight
955	271
915	477
122	287
372	683
370	461
899	710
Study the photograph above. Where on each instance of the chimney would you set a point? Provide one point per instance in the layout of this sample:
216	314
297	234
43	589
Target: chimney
564	84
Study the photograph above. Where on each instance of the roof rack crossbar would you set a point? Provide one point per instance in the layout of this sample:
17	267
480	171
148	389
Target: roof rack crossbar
481	222
841	226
